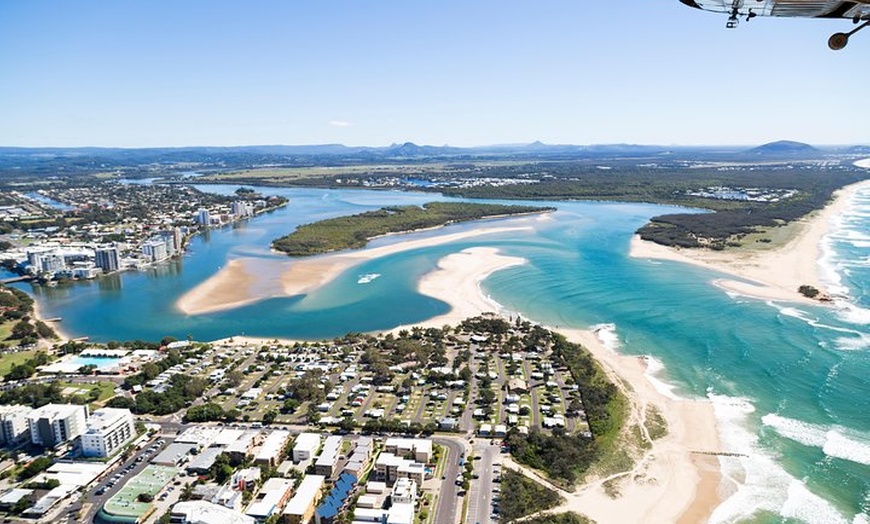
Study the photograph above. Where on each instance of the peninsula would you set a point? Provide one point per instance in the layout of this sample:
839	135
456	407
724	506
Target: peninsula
354	232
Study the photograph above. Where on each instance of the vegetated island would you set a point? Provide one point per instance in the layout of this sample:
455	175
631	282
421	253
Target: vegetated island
354	232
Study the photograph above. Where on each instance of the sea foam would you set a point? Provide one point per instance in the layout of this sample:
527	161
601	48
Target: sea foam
606	333
756	480
654	368
834	441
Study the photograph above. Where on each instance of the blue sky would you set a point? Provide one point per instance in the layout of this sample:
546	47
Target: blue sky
374	72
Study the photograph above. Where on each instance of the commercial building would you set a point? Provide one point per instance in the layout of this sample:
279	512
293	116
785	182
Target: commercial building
301	507
202	512
55	424
272	450
174	454
108	429
305	447
13	424
204	461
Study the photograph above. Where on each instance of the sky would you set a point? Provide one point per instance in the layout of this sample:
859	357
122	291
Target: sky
458	72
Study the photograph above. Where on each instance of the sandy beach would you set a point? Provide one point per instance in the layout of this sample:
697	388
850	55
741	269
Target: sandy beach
62	336
670	484
774	274
236	284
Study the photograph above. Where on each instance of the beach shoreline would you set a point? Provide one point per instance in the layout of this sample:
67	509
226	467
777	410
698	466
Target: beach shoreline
669	481
62	336
774	274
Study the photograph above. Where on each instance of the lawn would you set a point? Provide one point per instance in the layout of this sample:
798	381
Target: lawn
8	360
107	390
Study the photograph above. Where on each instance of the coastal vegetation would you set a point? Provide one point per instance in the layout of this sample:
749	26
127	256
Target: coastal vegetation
563	456
559	518
524	496
353	232
18	327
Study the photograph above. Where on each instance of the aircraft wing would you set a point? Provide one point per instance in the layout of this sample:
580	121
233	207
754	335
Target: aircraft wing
856	9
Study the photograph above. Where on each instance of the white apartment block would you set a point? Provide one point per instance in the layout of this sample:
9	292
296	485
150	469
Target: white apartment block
55	424
13	424
108	429
305	447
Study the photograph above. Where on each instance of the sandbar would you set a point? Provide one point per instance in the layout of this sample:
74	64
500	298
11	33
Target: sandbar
773	274
457	281
237	284
228	288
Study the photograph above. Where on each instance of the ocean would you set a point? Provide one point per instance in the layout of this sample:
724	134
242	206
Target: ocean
789	382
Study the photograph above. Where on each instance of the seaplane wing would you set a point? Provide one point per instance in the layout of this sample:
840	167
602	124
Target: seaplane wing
856	10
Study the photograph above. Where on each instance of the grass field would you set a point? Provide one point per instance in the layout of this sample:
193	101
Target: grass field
10	359
106	388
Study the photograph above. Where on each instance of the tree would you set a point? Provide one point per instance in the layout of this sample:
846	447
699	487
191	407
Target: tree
38	465
270	416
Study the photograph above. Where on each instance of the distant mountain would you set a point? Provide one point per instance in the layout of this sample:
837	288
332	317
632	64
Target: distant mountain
857	150
783	147
410	150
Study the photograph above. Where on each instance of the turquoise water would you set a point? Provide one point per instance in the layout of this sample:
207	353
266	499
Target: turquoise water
99	362
789	382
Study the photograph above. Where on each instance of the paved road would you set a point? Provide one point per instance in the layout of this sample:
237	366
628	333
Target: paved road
96	501
480	494
448	502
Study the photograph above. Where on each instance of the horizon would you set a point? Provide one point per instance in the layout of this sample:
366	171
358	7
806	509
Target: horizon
477	146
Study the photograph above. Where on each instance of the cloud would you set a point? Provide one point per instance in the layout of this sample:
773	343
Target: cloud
340	123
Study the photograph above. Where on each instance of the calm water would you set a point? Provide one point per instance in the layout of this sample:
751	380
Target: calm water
789	382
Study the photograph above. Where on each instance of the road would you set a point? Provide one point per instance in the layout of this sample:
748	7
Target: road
94	501
448	502
480	494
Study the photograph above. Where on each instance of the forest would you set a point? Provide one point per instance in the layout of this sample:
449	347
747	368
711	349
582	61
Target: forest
354	232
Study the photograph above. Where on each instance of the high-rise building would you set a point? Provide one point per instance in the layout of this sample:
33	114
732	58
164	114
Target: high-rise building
55	424
108	259
155	250
168	238
52	263
108	429
204	217
13	424
242	209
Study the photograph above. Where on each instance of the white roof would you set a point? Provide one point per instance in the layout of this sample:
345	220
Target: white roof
401	514
309	441
106	417
304	497
202	435
52	411
273	444
202	512
272	492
